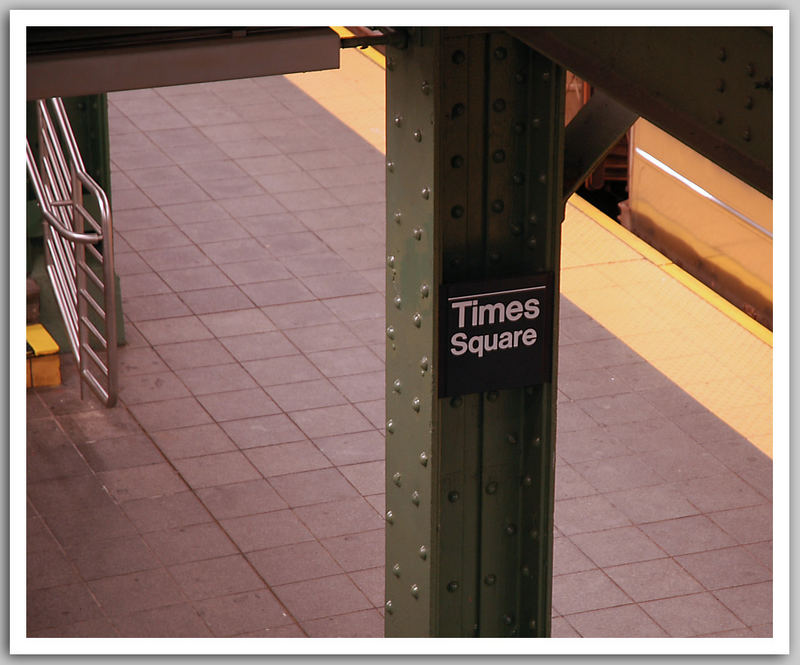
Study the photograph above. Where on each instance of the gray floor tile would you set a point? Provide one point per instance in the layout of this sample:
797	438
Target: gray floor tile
323	597
651	580
218	469
190	354
262	431
242	613
195	542
330	421
124	594
306	395
241	499
216	577
169	414
366	623
216	379
689	616
339	517
312	487
180	620
266	530
294	563
285	458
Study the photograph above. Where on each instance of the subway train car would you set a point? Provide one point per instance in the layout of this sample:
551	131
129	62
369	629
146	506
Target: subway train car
704	219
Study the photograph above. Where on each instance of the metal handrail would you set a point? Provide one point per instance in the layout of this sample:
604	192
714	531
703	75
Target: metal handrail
59	182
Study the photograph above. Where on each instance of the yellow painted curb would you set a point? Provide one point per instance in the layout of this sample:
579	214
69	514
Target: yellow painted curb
40	340
677	273
43	362
372	53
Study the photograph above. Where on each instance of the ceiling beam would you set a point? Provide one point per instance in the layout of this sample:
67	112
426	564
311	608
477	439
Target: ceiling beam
589	137
83	61
711	88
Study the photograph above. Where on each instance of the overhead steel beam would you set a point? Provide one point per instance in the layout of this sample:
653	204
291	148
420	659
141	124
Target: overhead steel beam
589	137
65	62
709	87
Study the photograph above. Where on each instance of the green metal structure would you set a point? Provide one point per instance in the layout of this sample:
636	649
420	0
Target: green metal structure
474	191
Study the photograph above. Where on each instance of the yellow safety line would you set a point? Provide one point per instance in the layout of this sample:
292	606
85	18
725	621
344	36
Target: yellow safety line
372	53
674	271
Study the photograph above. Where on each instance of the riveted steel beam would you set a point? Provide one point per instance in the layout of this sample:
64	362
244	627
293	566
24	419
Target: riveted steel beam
474	193
64	62
709	87
590	135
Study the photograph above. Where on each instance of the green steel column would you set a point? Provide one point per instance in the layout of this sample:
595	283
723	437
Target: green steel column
474	177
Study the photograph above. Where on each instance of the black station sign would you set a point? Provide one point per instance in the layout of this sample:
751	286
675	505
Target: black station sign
496	334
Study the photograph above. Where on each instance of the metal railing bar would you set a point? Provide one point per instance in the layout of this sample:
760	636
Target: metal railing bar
87	297
67	312
91	355
55	223
91	275
107	398
95	332
66	279
95	253
61	256
75	154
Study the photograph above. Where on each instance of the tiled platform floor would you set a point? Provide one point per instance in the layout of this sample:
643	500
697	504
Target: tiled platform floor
237	490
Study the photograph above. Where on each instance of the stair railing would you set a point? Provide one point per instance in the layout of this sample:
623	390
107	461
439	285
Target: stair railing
59	180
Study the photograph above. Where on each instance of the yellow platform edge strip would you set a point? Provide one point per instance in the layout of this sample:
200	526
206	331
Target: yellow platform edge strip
372	53
677	273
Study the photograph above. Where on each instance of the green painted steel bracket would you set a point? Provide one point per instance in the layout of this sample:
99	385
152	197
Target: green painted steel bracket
710	87
590	135
475	142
